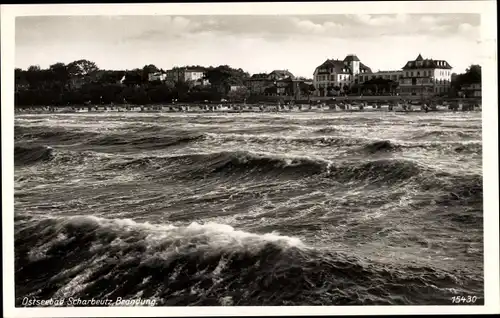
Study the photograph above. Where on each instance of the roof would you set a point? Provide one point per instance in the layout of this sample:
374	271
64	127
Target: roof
339	66
282	73
195	69
364	67
259	76
426	63
350	58
386	71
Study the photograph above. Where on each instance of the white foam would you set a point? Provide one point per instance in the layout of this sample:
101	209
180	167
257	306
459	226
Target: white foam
208	237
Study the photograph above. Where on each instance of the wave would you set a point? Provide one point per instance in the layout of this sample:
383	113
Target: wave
32	154
381	146
464	190
449	133
145	141
51	134
209	264
327	130
242	164
135	139
470	147
283	139
361	144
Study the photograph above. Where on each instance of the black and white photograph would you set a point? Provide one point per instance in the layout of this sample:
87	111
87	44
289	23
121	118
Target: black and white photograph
202	158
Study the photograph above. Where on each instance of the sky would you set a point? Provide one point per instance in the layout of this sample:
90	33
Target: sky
257	44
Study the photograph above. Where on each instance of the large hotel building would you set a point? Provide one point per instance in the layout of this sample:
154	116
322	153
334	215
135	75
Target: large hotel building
424	77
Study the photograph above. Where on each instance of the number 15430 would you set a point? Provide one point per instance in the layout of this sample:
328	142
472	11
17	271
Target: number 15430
463	299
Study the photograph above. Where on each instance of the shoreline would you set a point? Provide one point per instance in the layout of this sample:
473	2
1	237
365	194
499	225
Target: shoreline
236	109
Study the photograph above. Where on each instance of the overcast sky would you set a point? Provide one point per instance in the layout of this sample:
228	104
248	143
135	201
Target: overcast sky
253	43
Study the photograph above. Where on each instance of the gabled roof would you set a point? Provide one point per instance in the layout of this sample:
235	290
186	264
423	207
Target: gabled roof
427	63
282	73
339	66
419	58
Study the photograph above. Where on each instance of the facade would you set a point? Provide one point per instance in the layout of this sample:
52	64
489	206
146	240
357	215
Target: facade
158	76
425	77
472	90
257	83
335	75
274	83
388	75
186	74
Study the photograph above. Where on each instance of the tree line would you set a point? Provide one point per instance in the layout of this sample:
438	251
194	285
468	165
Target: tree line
472	75
82	82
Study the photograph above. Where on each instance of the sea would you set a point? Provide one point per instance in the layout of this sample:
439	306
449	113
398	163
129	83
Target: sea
250	209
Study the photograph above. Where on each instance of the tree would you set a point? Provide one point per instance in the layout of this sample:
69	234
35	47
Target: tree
81	68
111	77
472	75
148	69
59	73
33	76
346	89
34	68
239	94
223	76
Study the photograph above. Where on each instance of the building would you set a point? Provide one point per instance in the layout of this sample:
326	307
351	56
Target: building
471	90
187	74
425	77
278	75
257	83
274	83
233	88
388	75
334	75
158	76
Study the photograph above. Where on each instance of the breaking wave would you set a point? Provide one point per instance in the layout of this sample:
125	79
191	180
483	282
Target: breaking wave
208	264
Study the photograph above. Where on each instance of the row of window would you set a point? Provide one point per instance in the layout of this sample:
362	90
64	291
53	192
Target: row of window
426	73
342	77
318	86
368	77
425	81
421	63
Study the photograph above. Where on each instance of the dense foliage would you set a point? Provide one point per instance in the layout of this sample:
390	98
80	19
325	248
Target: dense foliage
82	82
471	76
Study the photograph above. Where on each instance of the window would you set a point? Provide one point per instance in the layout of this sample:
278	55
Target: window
411	73
332	77
418	73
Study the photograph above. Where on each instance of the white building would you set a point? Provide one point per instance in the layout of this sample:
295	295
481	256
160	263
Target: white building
158	76
186	74
333	75
425	77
